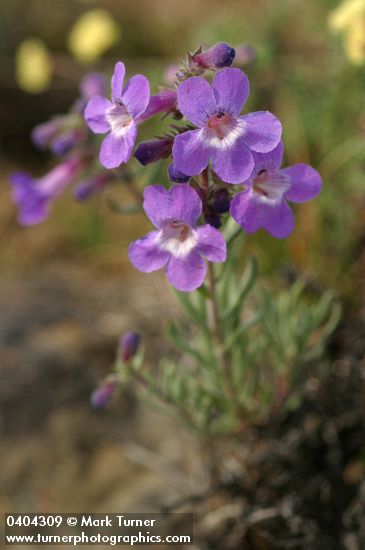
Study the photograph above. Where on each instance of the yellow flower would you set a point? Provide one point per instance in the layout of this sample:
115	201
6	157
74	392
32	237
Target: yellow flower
346	14
349	18
33	66
93	33
354	42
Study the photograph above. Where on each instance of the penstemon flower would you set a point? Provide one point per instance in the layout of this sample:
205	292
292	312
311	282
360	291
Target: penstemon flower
223	136
34	197
264	201
177	245
235	374
118	117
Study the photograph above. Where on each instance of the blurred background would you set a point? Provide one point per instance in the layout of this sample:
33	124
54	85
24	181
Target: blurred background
67	290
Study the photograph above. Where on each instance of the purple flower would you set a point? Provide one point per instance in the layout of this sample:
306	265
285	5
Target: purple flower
118	117
218	56
223	136
177	244
93	185
60	134
128	345
153	150
102	395
264	201
35	196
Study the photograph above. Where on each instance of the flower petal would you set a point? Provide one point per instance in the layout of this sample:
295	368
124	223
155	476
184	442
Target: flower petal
95	114
190	154
117	80
247	212
263	131
252	214
117	149
211	243
145	255
269	161
280	221
155	204
231	89
196	100
234	164
184	204
136	95
186	274
33	206
306	183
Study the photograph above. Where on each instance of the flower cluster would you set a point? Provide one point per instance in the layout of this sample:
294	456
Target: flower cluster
222	162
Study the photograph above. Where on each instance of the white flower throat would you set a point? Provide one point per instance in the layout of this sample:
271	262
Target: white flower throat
222	129
269	186
178	238
119	119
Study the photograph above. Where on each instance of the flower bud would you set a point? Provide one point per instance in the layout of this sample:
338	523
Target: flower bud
175	175
101	396
60	134
128	345
153	150
92	186
218	56
63	143
221	201
163	102
212	217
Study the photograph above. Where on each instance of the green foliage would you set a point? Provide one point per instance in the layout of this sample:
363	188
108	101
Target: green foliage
249	362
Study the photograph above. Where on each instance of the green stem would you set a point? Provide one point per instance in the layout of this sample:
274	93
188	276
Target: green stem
218	337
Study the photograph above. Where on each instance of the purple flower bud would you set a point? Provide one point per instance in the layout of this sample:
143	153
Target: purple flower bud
218	56
64	142
92	84
212	218
245	54
153	150
60	134
163	102
175	175
93	185
102	395
42	134
128	345
221	201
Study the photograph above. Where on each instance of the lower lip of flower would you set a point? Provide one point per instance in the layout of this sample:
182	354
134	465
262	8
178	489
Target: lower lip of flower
269	186
222	129
178	238
119	119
